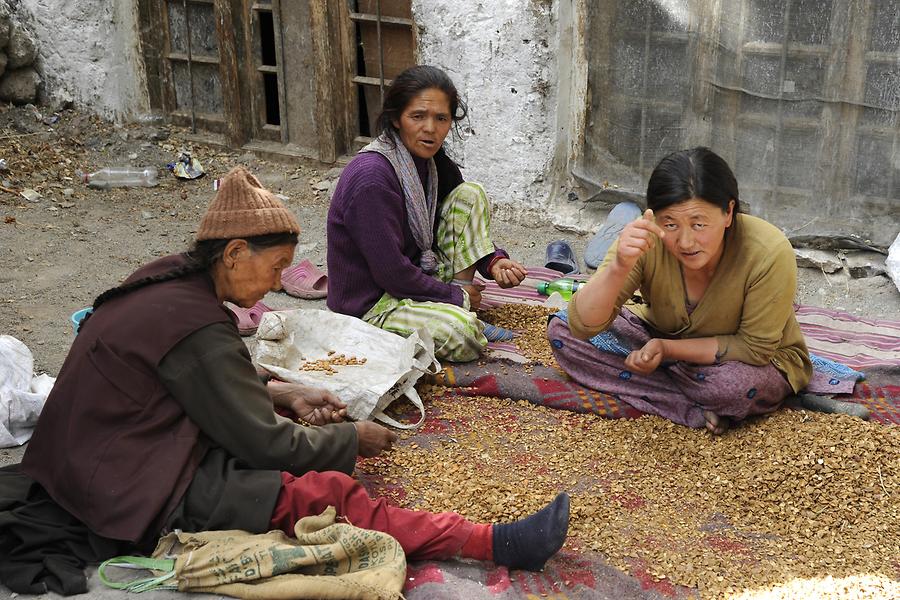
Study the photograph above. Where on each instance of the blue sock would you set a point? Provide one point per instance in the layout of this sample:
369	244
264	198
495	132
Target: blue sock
494	333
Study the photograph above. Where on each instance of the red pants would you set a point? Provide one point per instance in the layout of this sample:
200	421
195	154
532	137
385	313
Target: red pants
422	535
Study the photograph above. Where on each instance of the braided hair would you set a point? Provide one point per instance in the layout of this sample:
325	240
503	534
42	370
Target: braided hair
201	257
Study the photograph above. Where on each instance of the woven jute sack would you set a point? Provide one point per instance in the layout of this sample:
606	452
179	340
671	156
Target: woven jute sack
326	560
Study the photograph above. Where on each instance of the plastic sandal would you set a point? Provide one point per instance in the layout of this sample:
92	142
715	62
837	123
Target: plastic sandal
621	215
561	257
248	318
305	280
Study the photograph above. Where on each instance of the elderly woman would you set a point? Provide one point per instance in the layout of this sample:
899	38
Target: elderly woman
406	233
713	337
158	419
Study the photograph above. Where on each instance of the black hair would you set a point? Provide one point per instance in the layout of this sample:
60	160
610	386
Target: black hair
695	173
201	257
407	85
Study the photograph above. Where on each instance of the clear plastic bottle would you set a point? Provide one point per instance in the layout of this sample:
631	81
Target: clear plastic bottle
121	177
565	286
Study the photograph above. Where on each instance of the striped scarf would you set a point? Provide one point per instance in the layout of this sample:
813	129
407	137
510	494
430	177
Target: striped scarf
420	209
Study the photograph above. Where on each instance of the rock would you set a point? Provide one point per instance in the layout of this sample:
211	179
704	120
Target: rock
246	158
334	173
322	186
22	49
5	27
818	259
68	192
864	264
60	100
157	134
614	196
31	195
20	86
892	264
3	61
832	242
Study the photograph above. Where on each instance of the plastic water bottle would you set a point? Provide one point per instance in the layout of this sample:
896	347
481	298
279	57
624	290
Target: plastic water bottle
565	286
110	177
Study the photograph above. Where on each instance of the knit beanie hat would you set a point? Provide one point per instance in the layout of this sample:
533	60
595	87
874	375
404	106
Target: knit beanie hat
243	208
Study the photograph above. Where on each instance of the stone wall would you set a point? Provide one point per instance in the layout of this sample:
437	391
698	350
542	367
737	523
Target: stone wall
89	52
502	56
19	78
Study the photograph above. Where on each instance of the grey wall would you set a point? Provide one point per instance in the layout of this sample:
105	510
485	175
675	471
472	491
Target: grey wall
800	96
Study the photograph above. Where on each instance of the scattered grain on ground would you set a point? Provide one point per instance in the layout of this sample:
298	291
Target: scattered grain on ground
530	324
781	506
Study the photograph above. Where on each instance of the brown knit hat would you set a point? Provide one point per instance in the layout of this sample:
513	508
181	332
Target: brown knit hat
243	208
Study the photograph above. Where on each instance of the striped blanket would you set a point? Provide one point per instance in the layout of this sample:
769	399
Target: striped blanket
869	345
857	342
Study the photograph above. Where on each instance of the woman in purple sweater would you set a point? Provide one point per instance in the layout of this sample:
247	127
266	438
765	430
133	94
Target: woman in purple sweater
406	234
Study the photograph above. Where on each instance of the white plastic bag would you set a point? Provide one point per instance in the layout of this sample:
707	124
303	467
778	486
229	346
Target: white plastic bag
290	339
22	395
893	262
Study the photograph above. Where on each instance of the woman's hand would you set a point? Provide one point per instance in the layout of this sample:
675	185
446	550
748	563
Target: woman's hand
636	239
647	359
316	406
474	293
508	273
373	439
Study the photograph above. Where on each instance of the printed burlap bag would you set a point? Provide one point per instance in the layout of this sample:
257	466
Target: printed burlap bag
326	560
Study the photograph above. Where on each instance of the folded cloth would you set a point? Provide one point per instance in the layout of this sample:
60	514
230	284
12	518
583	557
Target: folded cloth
495	333
305	280
42	547
831	377
621	215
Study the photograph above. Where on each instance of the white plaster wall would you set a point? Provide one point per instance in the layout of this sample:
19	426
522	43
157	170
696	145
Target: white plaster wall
90	50
490	48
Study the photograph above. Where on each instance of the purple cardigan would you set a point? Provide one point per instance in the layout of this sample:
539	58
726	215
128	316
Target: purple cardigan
371	249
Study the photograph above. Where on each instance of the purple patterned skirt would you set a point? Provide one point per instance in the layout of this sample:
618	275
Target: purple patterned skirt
679	391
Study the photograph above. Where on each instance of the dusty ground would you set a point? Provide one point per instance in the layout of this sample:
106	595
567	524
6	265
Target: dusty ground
59	252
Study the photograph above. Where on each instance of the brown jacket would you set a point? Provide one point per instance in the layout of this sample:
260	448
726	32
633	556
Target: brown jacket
111	446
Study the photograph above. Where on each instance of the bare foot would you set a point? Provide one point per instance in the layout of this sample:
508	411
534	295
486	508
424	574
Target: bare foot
717	425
